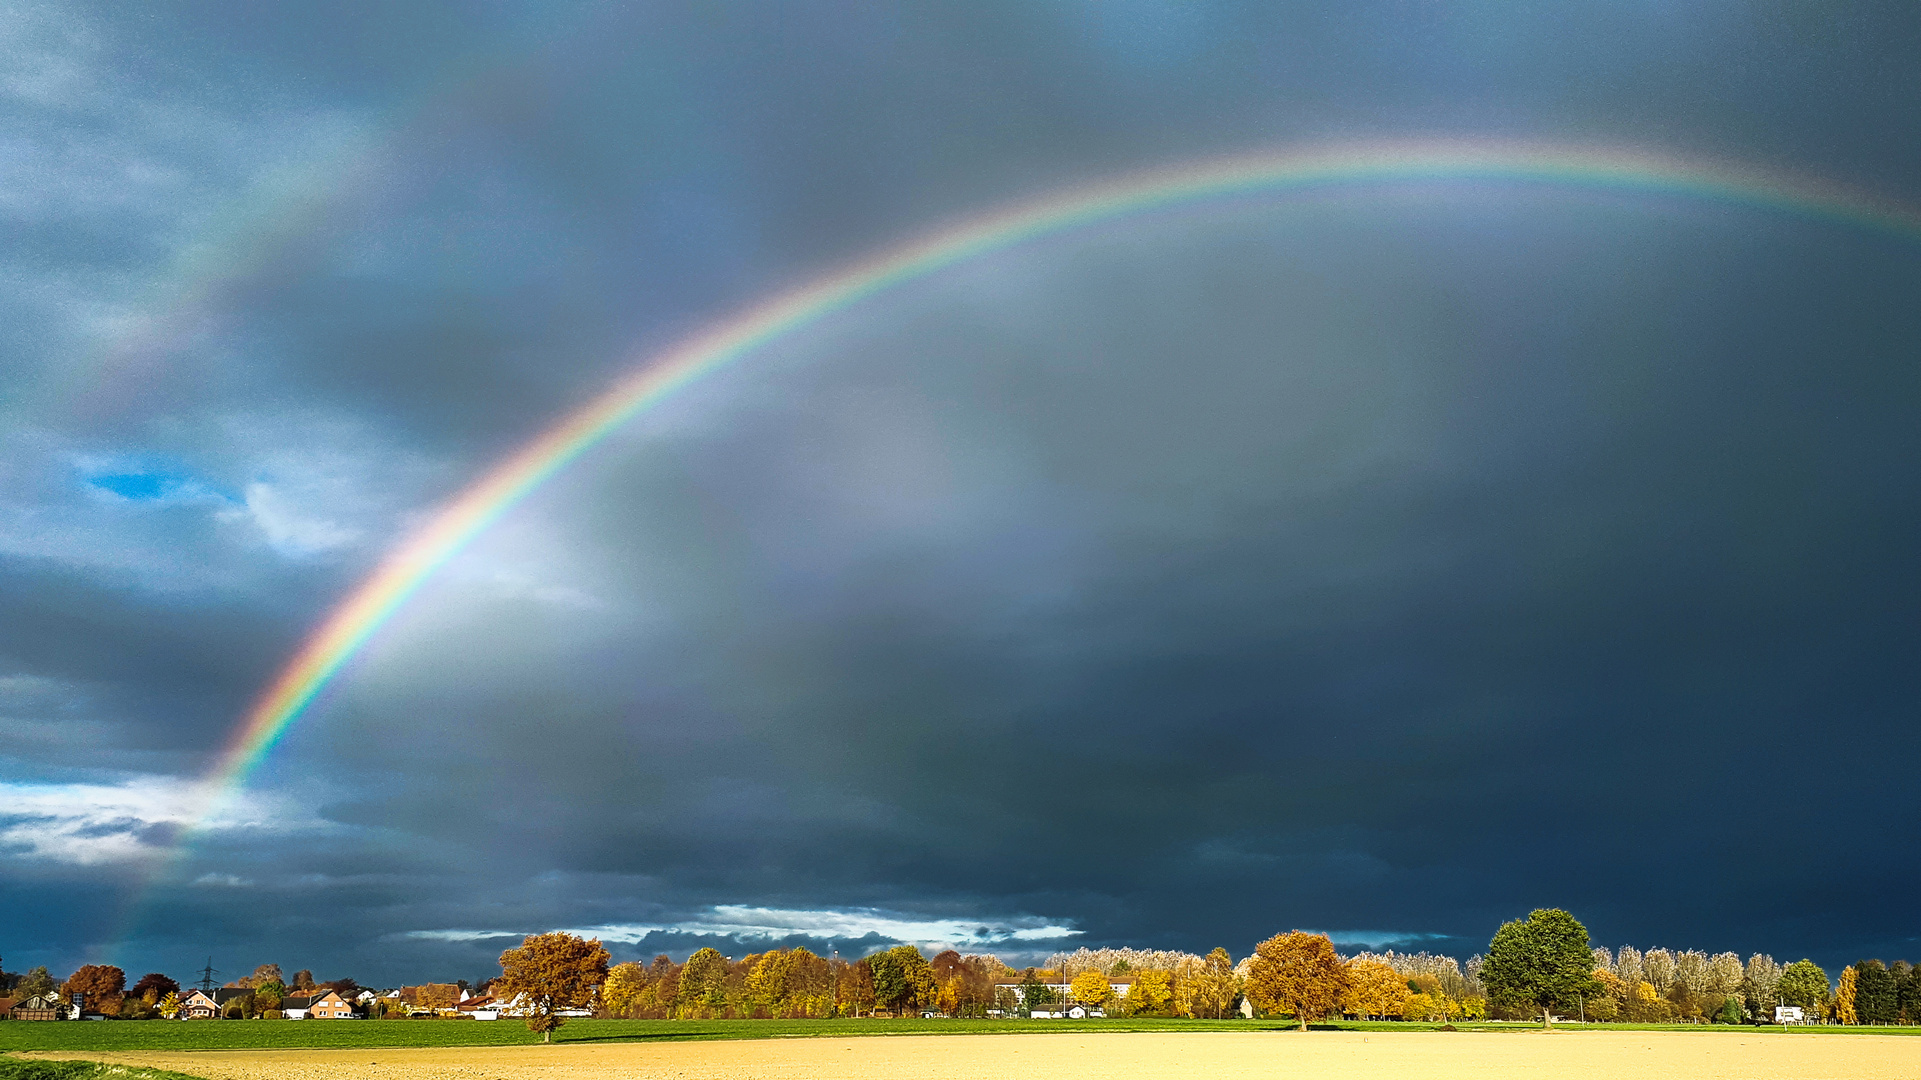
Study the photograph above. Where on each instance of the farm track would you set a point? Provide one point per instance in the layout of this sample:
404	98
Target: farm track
1096	1056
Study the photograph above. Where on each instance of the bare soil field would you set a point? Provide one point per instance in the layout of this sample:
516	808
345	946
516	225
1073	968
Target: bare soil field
1213	1056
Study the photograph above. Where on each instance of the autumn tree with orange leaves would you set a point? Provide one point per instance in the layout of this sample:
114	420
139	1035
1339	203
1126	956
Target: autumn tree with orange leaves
1375	990
550	972
1297	973
103	985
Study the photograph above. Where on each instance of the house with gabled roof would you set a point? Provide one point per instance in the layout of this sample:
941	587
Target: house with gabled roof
42	1007
479	1006
330	1006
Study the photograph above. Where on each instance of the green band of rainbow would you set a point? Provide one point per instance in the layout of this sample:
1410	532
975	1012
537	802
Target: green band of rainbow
347	628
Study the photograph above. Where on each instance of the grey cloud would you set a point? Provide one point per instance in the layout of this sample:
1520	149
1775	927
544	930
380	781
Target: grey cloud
1244	566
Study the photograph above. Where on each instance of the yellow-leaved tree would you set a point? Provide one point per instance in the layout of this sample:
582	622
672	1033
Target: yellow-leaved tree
1299	974
621	994
1206	987
1152	993
1374	990
1091	988
1844	999
550	972
437	996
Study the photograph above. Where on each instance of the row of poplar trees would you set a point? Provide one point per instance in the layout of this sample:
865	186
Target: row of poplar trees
901	981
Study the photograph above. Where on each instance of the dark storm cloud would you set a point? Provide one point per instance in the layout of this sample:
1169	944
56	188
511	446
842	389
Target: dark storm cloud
1385	566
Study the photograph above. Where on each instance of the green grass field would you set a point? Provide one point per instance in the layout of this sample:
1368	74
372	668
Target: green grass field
357	1034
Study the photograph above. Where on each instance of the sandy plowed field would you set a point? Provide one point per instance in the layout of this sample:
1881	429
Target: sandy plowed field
1209	1056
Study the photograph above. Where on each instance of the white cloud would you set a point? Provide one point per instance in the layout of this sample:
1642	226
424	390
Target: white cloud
852	924
463	935
289	528
742	921
523	580
1374	939
225	881
321	481
91	824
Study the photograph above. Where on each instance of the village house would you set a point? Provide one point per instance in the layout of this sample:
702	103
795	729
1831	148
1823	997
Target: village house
479	1006
198	1005
43	1007
330	1006
1065	1006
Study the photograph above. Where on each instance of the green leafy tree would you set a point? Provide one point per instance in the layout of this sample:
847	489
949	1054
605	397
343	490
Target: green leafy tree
550	972
34	984
1876	996
1908	994
703	985
903	980
1543	962
1804	983
1035	994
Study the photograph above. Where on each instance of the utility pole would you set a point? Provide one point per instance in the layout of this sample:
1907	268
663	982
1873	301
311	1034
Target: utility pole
206	976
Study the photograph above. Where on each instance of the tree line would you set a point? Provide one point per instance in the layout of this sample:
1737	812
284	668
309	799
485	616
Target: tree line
103	990
1538	967
902	981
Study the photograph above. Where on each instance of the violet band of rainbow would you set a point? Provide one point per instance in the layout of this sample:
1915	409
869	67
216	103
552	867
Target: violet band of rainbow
349	626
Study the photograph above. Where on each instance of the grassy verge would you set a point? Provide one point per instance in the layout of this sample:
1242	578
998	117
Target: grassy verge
15	1069
370	1034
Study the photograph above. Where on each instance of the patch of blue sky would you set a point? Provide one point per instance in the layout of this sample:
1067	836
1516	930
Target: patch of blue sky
152	484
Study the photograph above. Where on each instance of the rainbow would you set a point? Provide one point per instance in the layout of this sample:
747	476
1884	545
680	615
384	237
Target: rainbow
347	628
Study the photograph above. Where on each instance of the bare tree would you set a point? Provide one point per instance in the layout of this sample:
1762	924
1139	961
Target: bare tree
1724	974
1691	971
1657	967
1628	967
1760	985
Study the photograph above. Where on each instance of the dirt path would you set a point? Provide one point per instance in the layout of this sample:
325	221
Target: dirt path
1209	1056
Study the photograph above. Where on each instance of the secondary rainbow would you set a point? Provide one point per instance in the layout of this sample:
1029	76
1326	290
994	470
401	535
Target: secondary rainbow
348	627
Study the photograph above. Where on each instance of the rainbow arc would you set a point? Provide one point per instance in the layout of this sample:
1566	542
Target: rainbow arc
348	627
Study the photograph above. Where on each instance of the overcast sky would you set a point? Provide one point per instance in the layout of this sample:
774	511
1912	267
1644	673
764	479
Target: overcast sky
1387	563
